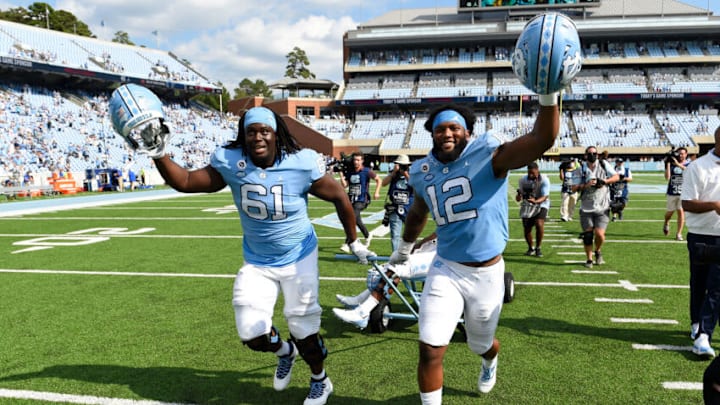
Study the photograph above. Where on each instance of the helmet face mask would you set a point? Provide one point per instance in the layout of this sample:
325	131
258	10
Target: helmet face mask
548	53
138	117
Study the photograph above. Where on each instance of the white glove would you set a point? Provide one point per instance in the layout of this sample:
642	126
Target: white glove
154	136
362	252
402	254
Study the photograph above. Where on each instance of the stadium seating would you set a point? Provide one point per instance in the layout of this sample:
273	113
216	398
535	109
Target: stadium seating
42	131
62	49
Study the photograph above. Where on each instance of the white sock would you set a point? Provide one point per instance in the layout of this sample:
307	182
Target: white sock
319	377
431	398
366	306
284	349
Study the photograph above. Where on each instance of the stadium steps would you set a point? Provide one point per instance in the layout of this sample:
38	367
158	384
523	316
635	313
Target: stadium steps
10	35
573	130
409	132
658	128
75	99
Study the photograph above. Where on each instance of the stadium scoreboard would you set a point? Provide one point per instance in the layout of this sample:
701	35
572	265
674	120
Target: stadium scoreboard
497	5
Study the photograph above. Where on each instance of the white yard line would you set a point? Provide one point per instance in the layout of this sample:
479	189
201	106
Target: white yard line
638	346
594	272
682	385
625	300
75	399
644	320
570	253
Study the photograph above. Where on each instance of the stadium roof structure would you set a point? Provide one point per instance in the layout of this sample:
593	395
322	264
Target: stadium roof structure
288	83
435	25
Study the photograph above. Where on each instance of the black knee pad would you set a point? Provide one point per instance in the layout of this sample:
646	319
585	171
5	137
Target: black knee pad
269	342
312	349
588	238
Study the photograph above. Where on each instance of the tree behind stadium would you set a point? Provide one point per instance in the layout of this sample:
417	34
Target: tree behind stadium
42	15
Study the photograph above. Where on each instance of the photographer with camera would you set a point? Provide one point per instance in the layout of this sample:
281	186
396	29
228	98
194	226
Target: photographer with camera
701	199
595	175
357	179
399	197
619	190
676	162
533	193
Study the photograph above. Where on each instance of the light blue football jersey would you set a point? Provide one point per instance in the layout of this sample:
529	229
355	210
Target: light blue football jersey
272	204
469	205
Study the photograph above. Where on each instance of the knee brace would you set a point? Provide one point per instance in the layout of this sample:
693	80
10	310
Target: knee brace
269	342
588	238
312	348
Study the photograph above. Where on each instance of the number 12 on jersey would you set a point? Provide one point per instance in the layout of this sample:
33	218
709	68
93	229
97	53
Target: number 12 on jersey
450	203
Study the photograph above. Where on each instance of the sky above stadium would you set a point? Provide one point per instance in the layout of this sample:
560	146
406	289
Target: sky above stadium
231	40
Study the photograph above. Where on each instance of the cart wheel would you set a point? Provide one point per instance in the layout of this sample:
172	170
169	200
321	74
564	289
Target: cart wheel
378	323
509	287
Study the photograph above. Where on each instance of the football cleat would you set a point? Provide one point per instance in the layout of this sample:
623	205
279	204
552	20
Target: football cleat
320	390
488	374
283	372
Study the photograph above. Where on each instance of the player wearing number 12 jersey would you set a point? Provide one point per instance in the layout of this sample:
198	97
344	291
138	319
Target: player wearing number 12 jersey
463	184
270	177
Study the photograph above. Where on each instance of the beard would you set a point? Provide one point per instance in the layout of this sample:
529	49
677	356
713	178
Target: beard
449	156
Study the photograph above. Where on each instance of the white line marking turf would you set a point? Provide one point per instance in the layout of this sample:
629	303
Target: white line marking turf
629	286
75	399
199	275
594	272
570	253
625	300
682	385
638	346
643	320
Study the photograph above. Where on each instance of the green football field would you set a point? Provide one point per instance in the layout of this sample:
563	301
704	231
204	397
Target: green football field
131	303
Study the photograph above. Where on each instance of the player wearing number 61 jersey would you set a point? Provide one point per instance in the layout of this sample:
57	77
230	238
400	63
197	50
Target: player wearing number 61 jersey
270	177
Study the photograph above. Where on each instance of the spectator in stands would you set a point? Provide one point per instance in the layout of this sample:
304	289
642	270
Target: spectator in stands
595	175
399	198
568	169
675	165
619	190
533	194
700	197
357	179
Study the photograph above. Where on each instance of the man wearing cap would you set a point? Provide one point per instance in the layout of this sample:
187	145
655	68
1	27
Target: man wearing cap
463	184
399	196
270	177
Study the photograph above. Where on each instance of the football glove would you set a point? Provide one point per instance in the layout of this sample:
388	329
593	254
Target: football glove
361	252
137	116
402	254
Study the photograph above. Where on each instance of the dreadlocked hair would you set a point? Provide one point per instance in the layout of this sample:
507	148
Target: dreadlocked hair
285	143
465	112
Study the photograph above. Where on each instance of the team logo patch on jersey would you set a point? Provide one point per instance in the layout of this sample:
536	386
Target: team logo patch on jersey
425	168
241	164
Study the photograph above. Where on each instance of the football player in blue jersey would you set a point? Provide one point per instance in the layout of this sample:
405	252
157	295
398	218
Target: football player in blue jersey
463	183
270	177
